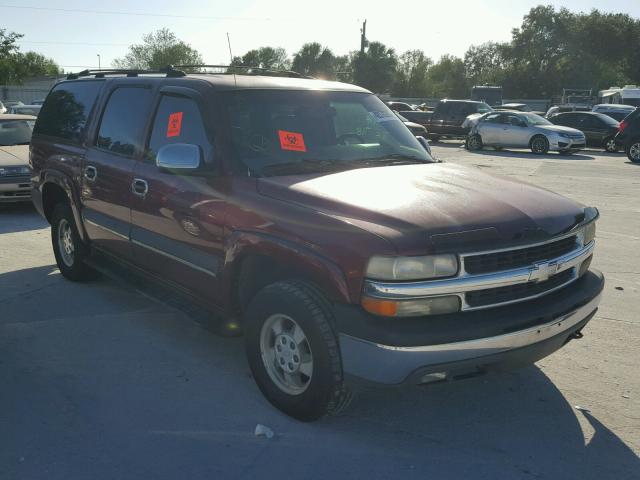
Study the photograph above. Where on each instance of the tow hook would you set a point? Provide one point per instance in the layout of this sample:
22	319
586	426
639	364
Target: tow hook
576	335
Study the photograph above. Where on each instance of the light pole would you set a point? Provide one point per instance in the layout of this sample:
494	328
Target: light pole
99	68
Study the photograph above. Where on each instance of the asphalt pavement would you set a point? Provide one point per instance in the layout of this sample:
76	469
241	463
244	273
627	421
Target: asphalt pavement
99	380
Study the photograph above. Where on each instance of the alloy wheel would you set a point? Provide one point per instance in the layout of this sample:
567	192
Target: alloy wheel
66	246
286	354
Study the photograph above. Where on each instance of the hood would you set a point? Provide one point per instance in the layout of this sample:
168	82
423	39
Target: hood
560	129
15	155
432	207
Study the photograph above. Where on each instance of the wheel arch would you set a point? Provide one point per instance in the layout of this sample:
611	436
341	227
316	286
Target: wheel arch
256	260
57	188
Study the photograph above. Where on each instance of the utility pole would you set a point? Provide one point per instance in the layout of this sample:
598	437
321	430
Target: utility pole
363	37
99	67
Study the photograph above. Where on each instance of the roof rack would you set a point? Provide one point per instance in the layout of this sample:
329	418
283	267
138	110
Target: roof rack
246	70
179	71
169	71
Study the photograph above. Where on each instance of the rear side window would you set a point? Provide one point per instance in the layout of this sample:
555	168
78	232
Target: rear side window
178	120
66	109
124	119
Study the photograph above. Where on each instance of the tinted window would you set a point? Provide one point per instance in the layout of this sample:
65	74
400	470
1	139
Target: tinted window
66	109
178	120
565	119
589	121
123	120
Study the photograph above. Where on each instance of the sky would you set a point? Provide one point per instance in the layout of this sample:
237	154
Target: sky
74	32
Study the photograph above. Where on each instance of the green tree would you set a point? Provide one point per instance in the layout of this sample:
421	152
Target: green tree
375	69
412	74
265	57
315	60
485	64
447	78
157	50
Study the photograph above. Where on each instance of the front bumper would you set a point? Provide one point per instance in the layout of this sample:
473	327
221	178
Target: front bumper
516	335
15	189
567	144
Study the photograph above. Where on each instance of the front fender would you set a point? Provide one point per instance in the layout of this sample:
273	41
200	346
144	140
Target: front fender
310	265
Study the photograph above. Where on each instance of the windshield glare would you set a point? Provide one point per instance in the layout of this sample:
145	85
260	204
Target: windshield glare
316	131
16	132
533	119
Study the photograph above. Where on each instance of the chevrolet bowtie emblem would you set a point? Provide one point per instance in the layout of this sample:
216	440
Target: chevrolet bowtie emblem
541	271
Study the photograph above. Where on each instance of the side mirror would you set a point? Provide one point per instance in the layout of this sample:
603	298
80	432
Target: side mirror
179	156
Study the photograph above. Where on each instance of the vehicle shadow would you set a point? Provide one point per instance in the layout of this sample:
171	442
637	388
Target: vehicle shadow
526	154
20	217
103	379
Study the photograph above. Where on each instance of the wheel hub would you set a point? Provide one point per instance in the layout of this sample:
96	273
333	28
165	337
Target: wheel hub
287	354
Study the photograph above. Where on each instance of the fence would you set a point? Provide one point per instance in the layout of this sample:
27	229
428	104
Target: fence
24	94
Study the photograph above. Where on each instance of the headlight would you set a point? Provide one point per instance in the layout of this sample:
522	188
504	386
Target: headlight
588	233
412	268
563	135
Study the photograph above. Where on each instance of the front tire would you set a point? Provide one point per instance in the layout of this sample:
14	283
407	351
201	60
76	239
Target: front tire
633	151
68	248
539	145
293	351
474	143
610	145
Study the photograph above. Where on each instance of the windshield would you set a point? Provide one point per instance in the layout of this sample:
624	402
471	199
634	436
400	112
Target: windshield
484	108
287	132
16	132
533	119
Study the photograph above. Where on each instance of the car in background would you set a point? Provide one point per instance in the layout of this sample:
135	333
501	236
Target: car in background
26	110
629	135
12	103
524	130
448	117
400	106
38	102
3	109
599	129
15	173
615	111
520	107
419	131
556	109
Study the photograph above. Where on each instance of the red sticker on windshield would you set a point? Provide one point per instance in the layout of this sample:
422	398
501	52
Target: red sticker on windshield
291	141
175	124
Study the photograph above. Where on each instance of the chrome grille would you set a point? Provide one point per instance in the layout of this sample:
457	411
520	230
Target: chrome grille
510	259
500	295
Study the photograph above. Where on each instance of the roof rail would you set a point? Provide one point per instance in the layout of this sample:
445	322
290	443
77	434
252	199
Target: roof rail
169	71
247	70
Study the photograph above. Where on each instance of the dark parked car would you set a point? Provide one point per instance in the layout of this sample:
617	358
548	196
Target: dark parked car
616	111
307	214
599	129
15	174
400	106
448	117
629	135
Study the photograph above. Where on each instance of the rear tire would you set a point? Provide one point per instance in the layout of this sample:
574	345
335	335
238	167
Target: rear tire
633	150
70	251
539	145
474	143
293	351
610	145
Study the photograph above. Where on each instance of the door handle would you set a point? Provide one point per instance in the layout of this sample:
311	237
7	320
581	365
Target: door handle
91	173
139	187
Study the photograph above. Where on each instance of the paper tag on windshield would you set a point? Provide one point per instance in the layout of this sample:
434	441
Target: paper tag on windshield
383	116
292	141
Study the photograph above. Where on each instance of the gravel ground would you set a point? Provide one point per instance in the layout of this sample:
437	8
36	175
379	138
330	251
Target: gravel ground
99	381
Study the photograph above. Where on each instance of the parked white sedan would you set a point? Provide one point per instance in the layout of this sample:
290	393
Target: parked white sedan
524	130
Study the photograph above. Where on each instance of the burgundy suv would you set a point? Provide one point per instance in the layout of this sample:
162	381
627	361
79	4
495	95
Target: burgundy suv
306	213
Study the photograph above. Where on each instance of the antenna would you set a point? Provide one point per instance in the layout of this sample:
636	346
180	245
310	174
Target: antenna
231	59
